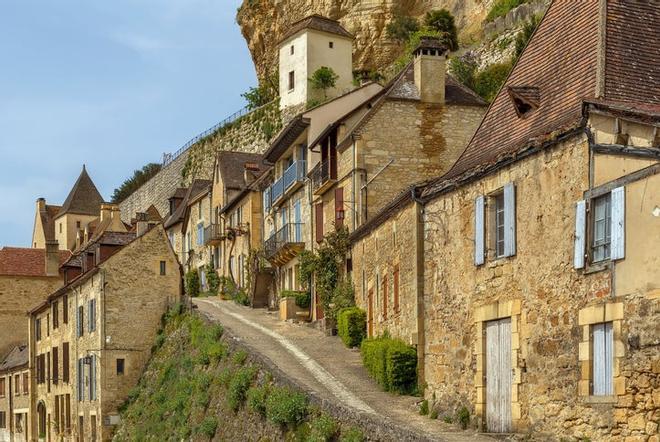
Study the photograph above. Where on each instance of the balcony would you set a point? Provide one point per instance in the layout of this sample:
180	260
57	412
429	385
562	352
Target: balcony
292	178
323	176
213	235
284	244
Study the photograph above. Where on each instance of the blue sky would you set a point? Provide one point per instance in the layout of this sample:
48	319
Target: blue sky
112	84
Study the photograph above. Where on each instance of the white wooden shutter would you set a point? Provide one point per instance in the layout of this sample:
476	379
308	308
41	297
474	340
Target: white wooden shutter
509	219
479	231
618	231
603	359
580	234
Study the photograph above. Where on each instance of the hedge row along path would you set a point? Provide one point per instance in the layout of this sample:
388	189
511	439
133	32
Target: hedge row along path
322	365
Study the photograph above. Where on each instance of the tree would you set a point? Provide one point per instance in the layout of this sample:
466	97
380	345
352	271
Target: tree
401	28
324	78
464	68
133	183
442	21
258	96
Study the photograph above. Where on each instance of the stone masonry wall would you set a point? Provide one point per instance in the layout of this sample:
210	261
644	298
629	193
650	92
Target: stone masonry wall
546	299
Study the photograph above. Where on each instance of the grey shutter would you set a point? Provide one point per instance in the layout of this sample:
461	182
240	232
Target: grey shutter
580	234
618	223
92	379
479	231
509	220
603	359
78	322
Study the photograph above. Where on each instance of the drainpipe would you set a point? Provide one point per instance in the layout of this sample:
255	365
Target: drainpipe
11	408
419	286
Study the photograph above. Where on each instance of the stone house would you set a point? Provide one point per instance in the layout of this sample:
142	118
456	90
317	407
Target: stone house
63	223
88	341
27	276
14	395
196	217
534	278
236	233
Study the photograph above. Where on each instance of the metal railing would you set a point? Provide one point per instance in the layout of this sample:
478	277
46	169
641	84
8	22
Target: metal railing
288	234
321	174
213	233
169	157
268	202
293	174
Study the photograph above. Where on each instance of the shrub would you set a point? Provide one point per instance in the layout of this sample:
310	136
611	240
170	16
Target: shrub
424	408
324	78
502	7
442	21
238	386
433	414
391	362
303	299
352	326
401	27
322	429
239	357
489	80
256	399
352	435
192	283
208	427
285	406
212	279
463	417
130	185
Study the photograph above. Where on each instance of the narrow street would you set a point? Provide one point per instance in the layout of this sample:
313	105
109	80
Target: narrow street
321	364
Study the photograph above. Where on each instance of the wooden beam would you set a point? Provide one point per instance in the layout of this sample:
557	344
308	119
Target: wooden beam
629	151
622	181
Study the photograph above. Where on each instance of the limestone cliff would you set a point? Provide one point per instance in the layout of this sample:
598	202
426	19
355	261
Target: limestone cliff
263	22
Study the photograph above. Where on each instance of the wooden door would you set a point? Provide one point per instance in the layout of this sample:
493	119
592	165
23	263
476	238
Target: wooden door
498	375
370	317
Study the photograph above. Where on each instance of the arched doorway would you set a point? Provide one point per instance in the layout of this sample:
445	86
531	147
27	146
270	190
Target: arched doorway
41	420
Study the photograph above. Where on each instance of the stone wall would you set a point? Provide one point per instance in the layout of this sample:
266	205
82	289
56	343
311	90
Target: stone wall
515	17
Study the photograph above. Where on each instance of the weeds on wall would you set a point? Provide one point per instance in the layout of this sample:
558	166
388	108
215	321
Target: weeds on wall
501	8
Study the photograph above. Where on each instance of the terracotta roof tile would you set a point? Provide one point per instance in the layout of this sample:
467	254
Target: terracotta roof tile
16	261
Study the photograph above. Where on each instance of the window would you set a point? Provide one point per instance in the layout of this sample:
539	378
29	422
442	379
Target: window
499	225
56	365
80	375
120	366
331	44
501	222
92	377
200	234
60	227
292	80
56	317
199	209
80	320
37	329
3	419
26	384
48	370
318	208
65	362
77	224
47	324
91	306
602	228
171	237
65	309
395	281
385	297
163	271
17	384
2	387
291	50
603	359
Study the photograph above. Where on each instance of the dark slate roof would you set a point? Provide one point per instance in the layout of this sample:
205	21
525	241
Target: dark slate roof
197	187
16	261
84	198
232	167
18	357
317	23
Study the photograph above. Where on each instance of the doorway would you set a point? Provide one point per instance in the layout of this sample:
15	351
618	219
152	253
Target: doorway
498	375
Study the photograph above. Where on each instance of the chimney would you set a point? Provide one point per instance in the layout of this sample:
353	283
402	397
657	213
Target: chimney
52	258
116	225
249	171
430	69
106	211
141	225
41	204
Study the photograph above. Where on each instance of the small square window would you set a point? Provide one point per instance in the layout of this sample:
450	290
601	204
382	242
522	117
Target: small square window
77	224
162	268
292	50
331	45
292	80
120	366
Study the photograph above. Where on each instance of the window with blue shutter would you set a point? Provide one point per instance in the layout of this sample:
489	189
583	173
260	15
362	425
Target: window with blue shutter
580	234
479	231
91	315
80	321
603	359
92	378
618	219
509	220
81	379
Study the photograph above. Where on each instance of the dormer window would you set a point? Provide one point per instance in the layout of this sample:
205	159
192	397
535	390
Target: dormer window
525	99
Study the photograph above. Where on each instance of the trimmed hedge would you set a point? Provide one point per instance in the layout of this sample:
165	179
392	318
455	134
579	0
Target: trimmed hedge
391	362
352	326
303	299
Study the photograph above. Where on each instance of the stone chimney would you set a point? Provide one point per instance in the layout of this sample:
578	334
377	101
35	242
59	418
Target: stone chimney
249	172
106	211
430	69
141	224
41	204
52	258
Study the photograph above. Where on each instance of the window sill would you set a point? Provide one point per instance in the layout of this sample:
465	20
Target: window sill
597	267
611	400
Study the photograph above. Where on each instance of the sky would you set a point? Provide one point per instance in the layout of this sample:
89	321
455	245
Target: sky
109	84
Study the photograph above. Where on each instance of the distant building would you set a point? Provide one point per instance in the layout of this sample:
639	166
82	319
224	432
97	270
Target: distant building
14	395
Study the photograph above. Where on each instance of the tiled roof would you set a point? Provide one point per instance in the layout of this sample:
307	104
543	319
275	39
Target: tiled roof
16	261
232	167
193	191
17	357
84	198
317	23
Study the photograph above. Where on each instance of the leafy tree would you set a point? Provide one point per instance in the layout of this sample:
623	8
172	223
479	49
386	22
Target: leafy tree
133	183
489	80
442	21
401	28
523	36
258	96
324	78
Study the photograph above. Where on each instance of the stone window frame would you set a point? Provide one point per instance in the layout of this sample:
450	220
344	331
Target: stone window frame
490	312
597	314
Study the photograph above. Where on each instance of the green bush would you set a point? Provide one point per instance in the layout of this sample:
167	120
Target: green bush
285	406
303	299
502	7
322	429
192	283
488	81
401	27
352	435
208	427
463	417
391	362
239	357
212	279
442	21
352	326
256	399
424	408
238	386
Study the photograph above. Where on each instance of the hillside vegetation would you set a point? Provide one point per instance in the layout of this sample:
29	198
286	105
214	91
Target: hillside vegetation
200	386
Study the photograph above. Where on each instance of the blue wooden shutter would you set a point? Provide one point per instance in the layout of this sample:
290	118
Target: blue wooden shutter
78	322
603	359
479	231
580	234
509	219
92	379
618	249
